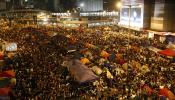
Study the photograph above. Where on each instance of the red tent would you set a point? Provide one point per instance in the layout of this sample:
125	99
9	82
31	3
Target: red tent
9	74
167	52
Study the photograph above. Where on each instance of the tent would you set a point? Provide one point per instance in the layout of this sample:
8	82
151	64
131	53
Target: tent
167	52
80	72
8	74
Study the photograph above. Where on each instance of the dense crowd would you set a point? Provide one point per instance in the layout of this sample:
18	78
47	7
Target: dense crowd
41	74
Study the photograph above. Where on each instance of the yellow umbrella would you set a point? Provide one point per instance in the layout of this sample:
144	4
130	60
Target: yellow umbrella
85	61
109	75
97	70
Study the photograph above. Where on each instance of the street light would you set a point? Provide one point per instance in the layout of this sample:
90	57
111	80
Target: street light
118	5
81	6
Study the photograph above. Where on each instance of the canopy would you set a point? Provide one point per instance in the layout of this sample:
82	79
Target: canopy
167	52
80	72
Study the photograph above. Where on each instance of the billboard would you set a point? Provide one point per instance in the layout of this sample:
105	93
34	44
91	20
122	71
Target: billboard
131	16
136	16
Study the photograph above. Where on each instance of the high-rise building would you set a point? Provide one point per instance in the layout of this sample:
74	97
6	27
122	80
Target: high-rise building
162	18
2	5
110	5
90	5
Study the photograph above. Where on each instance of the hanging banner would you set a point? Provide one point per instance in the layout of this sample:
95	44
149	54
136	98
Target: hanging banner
11	47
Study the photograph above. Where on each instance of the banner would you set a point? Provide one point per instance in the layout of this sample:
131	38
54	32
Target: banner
11	47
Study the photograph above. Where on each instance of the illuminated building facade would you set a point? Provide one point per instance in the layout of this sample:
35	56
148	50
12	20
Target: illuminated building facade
157	15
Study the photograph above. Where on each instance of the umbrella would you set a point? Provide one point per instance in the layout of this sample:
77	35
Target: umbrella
145	69
104	54
85	61
97	70
109	75
125	66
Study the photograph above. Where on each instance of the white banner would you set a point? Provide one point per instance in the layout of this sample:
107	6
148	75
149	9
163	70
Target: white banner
11	47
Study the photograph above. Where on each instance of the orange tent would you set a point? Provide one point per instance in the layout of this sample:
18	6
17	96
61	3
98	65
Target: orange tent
104	54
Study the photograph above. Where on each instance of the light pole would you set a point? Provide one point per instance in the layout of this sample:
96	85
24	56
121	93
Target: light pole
118	6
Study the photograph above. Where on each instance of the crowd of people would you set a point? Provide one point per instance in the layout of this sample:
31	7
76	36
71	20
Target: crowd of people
129	70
